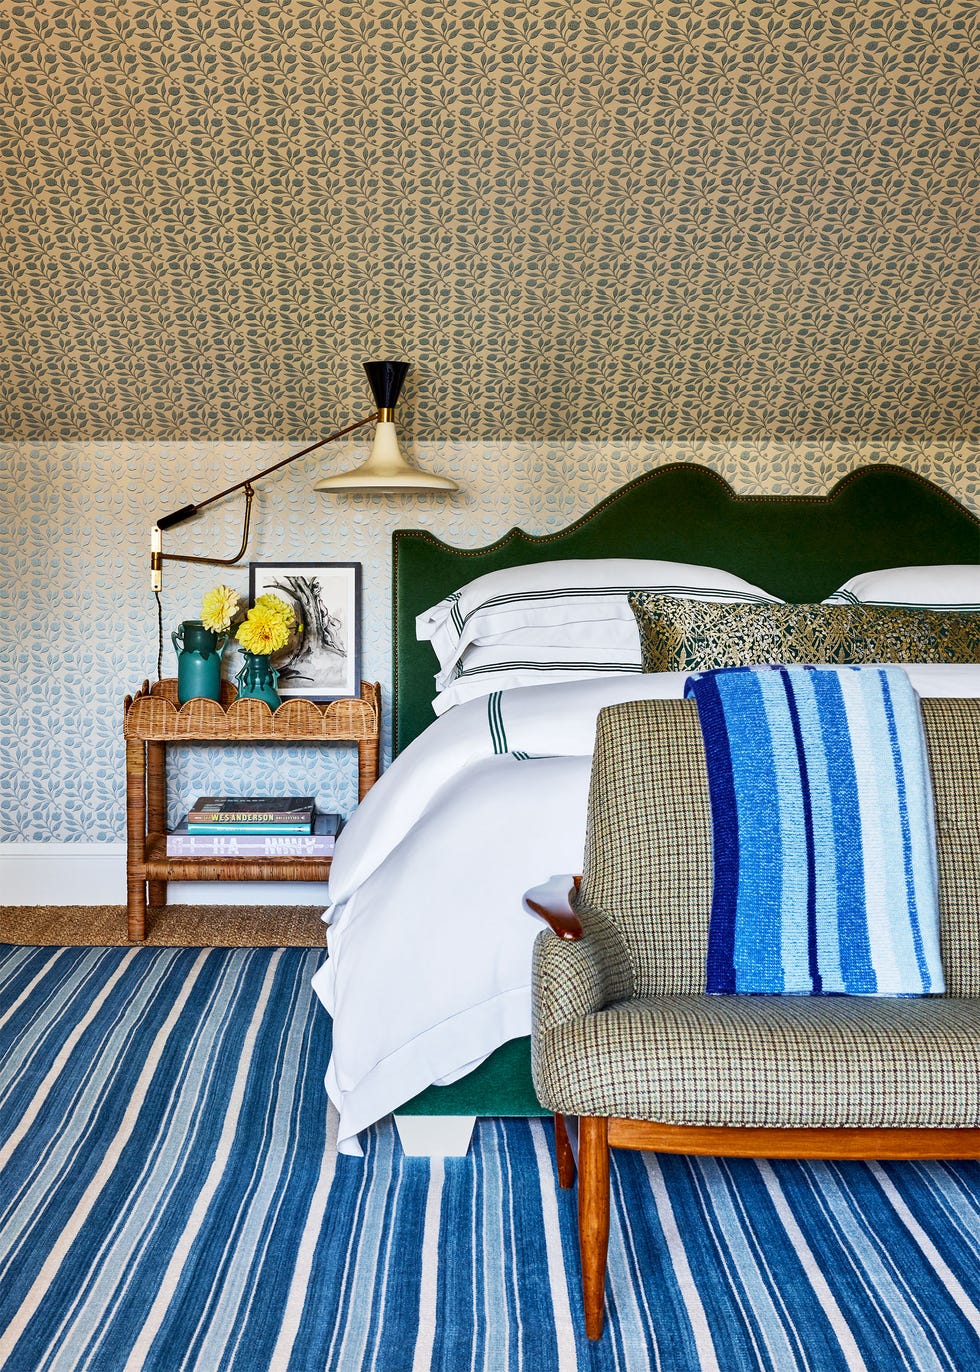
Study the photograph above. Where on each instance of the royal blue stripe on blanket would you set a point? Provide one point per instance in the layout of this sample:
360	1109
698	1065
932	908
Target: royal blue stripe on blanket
825	877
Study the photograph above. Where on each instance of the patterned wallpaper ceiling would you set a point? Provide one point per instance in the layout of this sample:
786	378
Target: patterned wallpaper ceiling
592	220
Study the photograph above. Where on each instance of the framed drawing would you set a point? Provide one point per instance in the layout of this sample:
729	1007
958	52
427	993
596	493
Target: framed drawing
322	660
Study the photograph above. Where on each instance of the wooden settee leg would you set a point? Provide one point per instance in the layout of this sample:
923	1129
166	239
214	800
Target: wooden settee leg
593	1216
564	1156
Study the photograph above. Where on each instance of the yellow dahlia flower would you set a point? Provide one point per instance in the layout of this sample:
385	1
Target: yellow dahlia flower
264	631
278	607
219	608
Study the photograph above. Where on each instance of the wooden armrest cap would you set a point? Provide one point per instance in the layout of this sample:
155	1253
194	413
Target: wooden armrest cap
551	902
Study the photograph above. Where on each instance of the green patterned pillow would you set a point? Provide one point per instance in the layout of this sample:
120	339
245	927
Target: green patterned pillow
696	635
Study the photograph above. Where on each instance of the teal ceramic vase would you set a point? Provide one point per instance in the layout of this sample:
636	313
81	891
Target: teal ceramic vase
198	661
257	679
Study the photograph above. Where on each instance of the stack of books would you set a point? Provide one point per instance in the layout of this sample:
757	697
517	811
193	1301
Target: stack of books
254	826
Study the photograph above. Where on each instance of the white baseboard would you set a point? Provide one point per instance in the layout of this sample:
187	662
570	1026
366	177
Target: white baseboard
95	874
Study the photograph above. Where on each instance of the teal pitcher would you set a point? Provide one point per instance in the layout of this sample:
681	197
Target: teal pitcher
257	679
198	661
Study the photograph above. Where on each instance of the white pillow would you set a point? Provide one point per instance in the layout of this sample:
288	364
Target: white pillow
556	621
483	670
953	586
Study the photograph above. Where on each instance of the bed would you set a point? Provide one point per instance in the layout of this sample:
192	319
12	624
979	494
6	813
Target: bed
428	978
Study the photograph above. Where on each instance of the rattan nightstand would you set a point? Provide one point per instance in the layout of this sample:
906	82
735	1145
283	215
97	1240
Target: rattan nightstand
153	718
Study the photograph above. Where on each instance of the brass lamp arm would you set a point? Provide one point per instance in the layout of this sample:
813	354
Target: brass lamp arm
219	561
158	556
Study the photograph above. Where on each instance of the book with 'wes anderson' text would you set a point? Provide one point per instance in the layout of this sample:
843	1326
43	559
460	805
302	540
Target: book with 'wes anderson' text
239	811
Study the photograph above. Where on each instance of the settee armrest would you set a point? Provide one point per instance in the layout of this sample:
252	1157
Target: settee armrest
552	902
580	961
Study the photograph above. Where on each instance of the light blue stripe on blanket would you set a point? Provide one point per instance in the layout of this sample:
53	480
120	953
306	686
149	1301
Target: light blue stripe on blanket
764	880
843	935
824	842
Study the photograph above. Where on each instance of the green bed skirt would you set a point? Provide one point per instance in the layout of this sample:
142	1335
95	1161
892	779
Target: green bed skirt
501	1085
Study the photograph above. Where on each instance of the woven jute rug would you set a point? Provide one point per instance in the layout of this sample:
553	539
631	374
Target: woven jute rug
167	926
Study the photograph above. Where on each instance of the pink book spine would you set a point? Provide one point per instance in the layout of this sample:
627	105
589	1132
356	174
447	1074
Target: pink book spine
250	845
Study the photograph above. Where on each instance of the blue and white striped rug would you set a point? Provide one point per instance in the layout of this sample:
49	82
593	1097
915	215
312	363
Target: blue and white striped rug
170	1199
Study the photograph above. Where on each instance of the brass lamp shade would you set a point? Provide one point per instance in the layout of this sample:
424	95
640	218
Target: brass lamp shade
385	468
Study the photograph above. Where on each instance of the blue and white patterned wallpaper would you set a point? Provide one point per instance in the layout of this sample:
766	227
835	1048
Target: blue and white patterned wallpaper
79	620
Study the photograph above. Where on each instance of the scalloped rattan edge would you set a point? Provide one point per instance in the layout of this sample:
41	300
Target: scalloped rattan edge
154	714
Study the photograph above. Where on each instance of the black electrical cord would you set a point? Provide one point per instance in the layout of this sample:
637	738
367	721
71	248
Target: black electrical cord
159	676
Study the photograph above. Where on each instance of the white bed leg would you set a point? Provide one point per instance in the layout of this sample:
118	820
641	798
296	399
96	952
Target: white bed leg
435	1136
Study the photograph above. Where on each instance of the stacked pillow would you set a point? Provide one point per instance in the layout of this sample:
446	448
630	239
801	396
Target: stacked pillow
898	614
557	621
953	586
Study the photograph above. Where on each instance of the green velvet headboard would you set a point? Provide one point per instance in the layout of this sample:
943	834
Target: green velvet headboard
797	547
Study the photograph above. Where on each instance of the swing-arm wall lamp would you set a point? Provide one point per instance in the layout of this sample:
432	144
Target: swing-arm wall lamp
384	471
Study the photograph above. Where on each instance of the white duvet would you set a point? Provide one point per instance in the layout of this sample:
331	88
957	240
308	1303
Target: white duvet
430	948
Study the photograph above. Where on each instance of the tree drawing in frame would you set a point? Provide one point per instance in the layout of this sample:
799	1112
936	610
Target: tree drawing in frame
321	661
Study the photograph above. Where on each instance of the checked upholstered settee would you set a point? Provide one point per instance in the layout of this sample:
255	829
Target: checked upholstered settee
626	1042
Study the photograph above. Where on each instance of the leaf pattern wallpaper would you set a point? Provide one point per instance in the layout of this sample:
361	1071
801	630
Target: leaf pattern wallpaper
606	235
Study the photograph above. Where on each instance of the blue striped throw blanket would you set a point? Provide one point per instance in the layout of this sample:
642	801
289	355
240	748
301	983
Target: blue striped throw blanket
825	875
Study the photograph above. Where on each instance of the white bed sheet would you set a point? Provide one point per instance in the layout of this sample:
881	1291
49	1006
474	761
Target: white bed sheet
430	948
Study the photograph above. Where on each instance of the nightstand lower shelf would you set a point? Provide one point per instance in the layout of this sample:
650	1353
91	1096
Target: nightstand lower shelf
158	866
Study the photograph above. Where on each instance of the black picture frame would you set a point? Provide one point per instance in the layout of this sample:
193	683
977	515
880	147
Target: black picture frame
323	659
